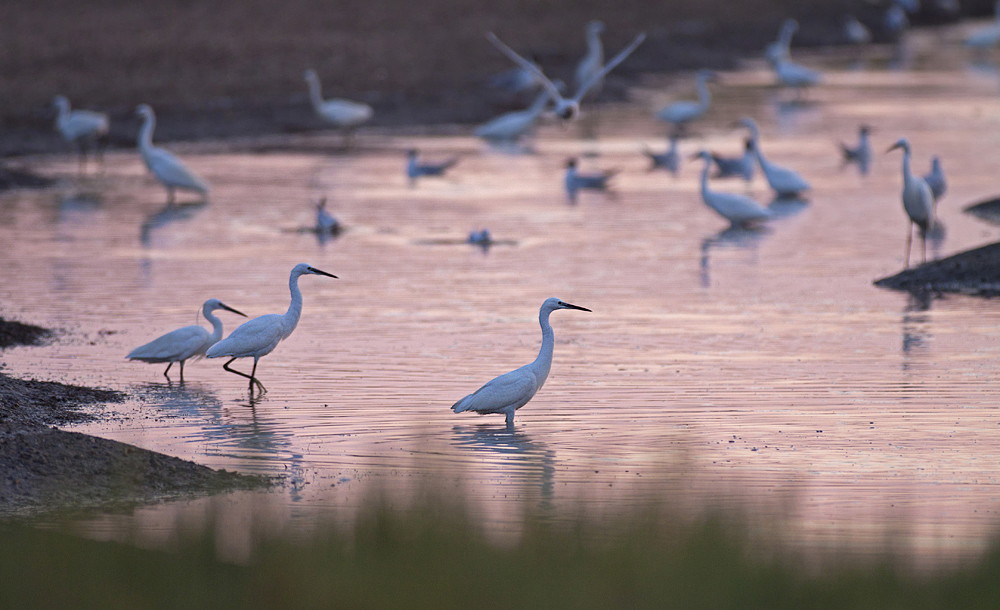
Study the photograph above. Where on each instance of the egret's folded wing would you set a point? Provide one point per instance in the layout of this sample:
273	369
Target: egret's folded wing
513	388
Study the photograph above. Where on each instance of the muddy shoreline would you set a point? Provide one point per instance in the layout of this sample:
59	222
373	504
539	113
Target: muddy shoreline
46	469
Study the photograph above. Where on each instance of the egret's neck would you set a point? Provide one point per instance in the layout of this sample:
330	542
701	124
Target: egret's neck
704	96
295	308
704	178
146	133
907	174
594	48
315	96
216	326
63	113
543	363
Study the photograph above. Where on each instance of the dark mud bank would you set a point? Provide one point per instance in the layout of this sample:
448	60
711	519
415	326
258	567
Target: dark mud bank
974	272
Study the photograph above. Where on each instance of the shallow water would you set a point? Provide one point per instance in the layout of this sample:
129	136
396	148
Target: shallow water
755	372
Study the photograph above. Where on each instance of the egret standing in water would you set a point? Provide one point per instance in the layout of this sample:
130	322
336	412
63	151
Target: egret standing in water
188	342
918	201
511	391
679	114
167	168
740	210
258	337
326	224
345	114
566	109
82	128
783	181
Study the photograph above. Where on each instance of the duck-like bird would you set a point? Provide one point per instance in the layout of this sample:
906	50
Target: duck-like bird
861	153
576	181
415	168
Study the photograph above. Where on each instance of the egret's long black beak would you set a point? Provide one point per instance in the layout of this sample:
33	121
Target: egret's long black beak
571	306
318	272
228	308
894	147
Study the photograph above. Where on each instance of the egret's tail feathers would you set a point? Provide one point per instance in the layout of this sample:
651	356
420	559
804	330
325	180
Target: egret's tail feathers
462	405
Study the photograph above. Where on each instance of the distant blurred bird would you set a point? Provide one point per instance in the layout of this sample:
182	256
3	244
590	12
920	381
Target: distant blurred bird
860	153
566	109
576	181
796	76
780	49
509	127
783	181
936	179
82	128
167	168
325	222
856	32
345	114
590	66
738	209
918	201
518	79
895	21
910	6
183	343
679	114
669	160
415	169
742	166
986	36
480	238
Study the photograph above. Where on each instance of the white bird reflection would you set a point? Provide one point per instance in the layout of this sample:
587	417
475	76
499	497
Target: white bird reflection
528	461
733	238
915	327
167	215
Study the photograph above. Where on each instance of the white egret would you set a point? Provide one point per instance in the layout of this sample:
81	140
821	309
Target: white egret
344	114
167	168
416	169
936	179
679	114
592	62
669	160
325	222
566	109
258	337
188	342
796	76
918	201
861	153
511	391
856	32
895	21
510	126
576	181
742	166
780	49
738	209
82	128
783	181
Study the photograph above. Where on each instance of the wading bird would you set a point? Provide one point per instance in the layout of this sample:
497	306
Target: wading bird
783	181
781	48
82	128
796	76
592	62
860	153
188	342
511	391
576	181
741	166
738	209
669	160
167	168
325	222
345	114
918	201
415	169
566	109
679	114
258	337
936	179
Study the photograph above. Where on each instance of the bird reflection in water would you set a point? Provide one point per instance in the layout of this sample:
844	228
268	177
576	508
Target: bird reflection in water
786	207
736	238
915	326
537	463
73	207
169	214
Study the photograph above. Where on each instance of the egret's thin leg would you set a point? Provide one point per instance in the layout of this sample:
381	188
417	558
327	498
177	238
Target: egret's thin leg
182	371
909	238
170	196
168	370
252	374
923	245
510	419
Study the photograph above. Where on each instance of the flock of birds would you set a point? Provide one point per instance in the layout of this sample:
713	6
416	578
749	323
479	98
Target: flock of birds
506	393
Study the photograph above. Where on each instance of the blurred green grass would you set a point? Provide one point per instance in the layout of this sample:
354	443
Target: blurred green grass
434	557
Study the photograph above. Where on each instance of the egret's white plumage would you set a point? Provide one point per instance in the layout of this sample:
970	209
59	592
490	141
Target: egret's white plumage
781	48
856	32
796	76
511	391
167	168
783	181
416	168
184	343
510	126
575	181
669	160
592	62
861	153
325	222
81	128
742	166
566	109
517	79
258	337
918	201
936	179
683	112
738	209
339	113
